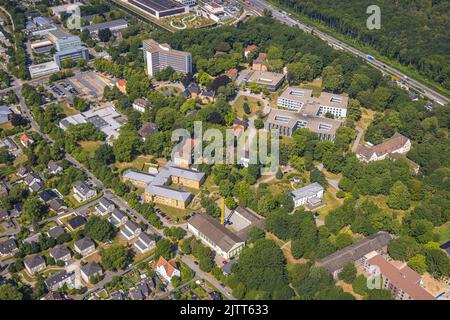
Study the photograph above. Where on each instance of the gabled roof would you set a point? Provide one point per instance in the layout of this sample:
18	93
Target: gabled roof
169	266
34	261
53	165
59	251
82	187
77	222
91	268
57	278
55	232
374	242
147	129
56	204
84	243
404	279
8	246
217	233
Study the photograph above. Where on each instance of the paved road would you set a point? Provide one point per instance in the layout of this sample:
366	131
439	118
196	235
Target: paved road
224	290
331	182
285	18
358	139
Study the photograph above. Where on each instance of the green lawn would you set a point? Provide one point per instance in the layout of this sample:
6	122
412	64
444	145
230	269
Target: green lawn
174	212
444	232
252	102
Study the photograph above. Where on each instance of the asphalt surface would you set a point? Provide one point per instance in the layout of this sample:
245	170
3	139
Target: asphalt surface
282	16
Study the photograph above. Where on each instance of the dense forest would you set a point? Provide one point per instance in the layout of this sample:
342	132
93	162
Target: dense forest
414	32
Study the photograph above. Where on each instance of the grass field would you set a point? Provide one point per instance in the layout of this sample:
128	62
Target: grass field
252	102
90	146
444	232
68	110
6	126
137	163
331	203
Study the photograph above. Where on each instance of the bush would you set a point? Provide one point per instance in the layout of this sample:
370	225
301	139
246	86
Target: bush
359	285
348	273
340	194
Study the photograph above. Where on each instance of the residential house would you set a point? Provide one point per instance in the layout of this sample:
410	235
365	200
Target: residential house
60	253
26	140
215	235
3	214
58	280
397	144
55	232
118	218
3	190
207	96
34	263
22	172
144	243
76	222
54	296
232	74
89	270
192	91
54	167
167	269
104	207
403	283
141	105
58	205
33	179
355	253
82	192
260	63
309	196
130	230
251	48
140	292
47	195
84	246
147	129
5	114
8	248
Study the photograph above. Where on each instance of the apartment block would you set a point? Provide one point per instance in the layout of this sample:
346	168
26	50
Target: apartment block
160	56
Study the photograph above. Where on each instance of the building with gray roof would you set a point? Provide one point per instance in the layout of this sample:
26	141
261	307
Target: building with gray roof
215	235
114	26
58	280
307	195
355	253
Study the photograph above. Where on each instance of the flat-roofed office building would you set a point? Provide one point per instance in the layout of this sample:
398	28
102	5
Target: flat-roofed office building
294	98
63	41
160	8
160	56
286	122
43	69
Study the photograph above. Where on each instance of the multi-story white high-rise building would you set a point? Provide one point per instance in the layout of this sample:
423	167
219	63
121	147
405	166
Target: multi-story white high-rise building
63	41
160	56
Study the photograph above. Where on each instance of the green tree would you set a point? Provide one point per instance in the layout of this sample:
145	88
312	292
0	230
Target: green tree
164	248
116	257
99	229
379	294
127	145
348	273
10	292
438	263
399	196
418	263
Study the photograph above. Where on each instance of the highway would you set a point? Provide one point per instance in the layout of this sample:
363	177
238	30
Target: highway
283	16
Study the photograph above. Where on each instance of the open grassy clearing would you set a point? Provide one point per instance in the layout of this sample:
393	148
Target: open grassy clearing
238	105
